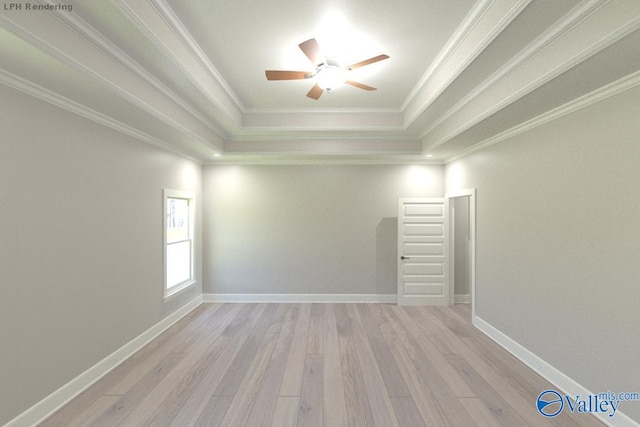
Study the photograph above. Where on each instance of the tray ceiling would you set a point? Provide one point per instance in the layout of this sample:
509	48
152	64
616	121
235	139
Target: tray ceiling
189	76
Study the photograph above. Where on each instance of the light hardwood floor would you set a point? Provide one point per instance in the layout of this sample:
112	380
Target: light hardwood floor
317	365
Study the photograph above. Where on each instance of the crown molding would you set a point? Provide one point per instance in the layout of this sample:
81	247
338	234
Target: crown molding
53	98
91	35
318	146
305	136
335	120
591	35
469	22
320	160
557	31
483	26
150	18
256	111
588	28
600	94
163	8
61	41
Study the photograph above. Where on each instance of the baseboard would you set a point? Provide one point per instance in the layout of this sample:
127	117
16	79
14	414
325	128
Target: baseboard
324	298
64	394
561	381
462	299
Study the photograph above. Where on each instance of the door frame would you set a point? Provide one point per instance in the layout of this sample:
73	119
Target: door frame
471	193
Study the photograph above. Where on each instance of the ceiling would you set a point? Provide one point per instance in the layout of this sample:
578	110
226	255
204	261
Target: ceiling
189	75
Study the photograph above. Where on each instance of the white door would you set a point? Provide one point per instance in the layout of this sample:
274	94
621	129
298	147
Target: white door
423	266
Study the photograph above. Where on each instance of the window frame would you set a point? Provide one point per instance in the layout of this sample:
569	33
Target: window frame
170	292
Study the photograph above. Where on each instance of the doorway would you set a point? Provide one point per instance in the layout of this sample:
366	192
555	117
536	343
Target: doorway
462	238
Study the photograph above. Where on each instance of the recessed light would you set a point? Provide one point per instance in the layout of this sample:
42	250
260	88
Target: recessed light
428	155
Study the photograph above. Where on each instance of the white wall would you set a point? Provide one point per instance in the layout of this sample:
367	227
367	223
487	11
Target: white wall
81	245
307	229
558	239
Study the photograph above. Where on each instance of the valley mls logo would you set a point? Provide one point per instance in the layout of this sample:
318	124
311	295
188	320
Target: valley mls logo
550	403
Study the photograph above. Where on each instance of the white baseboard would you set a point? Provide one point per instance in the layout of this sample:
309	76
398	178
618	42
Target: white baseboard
561	381
344	298
64	394
462	299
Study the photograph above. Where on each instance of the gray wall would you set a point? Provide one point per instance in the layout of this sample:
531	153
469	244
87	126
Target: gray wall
307	229
461	255
81	245
558	239
81	254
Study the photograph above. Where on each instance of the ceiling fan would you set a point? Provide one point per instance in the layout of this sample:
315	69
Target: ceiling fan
328	73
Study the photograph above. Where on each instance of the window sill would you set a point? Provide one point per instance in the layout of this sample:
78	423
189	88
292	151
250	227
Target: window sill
179	289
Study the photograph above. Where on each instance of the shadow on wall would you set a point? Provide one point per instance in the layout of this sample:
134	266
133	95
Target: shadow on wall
387	256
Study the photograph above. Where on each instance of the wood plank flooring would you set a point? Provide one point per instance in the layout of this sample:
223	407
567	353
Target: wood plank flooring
328	365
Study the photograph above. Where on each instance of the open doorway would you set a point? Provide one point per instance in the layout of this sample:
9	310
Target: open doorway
462	248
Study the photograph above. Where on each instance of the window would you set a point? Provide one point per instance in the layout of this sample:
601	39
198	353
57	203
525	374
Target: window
179	208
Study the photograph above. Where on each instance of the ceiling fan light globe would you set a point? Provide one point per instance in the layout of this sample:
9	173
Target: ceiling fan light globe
330	77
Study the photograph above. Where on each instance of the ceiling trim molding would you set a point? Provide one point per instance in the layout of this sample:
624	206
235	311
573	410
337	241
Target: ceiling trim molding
91	35
43	33
178	27
608	35
54	98
306	137
160	32
326	120
557	31
469	22
256	111
626	83
494	17
327	146
295	160
207	117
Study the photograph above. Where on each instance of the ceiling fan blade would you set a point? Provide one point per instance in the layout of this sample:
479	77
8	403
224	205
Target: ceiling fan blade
287	75
368	61
311	49
315	92
360	85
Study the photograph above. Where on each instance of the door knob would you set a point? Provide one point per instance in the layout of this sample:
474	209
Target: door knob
405	257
